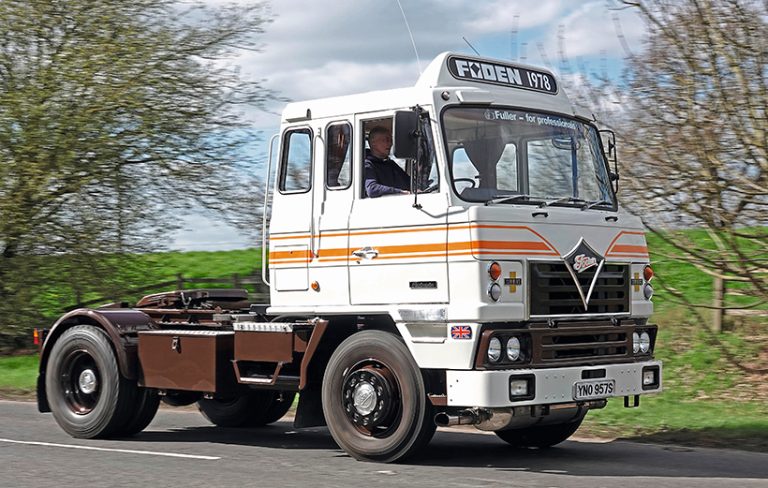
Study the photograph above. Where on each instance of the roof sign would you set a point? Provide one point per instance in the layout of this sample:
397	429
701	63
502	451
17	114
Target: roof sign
501	74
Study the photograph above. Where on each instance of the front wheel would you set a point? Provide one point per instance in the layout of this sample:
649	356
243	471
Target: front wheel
374	398
539	436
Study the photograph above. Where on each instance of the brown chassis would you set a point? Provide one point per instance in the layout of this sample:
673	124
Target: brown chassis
186	340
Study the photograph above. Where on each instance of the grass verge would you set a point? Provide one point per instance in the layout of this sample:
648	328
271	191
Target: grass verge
18	375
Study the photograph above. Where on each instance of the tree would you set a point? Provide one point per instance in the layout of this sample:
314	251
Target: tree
113	116
694	135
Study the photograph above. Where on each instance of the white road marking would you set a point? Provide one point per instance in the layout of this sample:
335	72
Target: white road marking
124	451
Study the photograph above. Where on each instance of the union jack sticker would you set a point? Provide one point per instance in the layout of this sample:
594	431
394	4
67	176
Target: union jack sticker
461	332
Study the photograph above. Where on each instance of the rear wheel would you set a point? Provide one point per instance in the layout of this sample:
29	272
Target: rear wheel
539	436
374	399
281	403
146	405
87	395
252	409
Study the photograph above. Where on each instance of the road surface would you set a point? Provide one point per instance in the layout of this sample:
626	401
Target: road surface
180	449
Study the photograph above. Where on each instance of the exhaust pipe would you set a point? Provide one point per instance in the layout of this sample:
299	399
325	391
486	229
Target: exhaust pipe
466	417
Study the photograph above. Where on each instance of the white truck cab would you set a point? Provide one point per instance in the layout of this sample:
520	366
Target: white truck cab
509	268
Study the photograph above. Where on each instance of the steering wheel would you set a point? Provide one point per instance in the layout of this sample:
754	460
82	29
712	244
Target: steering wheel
431	188
471	182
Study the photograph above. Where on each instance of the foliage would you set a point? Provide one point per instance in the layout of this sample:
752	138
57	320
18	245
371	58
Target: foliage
693	135
113	116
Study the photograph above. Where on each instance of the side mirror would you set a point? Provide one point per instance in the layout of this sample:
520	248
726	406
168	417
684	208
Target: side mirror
609	141
405	138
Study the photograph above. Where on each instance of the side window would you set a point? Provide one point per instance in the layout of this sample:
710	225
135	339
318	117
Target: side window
296	165
338	158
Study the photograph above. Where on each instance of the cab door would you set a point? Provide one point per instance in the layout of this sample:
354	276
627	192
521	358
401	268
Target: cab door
398	252
291	223
329	278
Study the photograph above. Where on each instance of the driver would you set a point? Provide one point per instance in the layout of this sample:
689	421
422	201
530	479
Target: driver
382	175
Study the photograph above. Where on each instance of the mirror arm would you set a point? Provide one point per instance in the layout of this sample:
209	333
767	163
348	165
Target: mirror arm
416	164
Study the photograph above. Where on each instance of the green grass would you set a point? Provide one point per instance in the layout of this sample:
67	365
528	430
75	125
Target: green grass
203	264
18	373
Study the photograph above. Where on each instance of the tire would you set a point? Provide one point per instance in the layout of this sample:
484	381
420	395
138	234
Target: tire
252	409
374	399
541	437
180	398
87	395
281	403
147	403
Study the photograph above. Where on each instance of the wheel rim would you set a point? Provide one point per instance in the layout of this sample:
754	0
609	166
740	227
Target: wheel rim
371	399
80	382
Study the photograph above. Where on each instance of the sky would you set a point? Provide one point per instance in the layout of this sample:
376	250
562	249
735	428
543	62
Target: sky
322	48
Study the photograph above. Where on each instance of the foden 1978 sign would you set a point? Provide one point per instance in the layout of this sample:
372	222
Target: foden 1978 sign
501	74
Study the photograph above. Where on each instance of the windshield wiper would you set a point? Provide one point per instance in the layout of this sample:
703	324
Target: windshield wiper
507	199
588	205
562	200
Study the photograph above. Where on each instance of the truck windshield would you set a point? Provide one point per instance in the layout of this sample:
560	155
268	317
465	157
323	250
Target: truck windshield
523	157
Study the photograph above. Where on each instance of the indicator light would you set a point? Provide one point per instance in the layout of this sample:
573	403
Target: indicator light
494	270
648	273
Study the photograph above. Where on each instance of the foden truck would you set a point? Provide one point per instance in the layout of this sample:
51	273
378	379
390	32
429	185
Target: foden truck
506	290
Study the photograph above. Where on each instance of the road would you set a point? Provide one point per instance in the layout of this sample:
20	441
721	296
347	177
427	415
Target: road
180	449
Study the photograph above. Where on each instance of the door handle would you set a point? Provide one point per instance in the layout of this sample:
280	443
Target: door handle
365	253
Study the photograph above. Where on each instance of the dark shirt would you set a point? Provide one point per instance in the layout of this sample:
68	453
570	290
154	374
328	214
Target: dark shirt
384	177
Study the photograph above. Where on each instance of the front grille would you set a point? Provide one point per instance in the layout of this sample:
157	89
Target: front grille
553	291
563	345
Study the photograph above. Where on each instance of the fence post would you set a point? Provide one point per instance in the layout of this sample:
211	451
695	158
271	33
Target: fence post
236	280
179	281
718	303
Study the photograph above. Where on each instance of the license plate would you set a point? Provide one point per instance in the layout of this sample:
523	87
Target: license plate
588	390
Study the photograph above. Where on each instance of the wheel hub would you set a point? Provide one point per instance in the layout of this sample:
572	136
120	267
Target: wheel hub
365	398
368	397
87	382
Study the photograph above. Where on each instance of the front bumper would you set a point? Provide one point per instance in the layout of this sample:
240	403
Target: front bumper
490	389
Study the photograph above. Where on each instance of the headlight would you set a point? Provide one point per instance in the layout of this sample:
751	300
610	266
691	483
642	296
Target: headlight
645	342
647	291
513	348
494	349
494	291
635	342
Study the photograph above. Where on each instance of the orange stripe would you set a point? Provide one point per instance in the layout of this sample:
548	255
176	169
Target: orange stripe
627	232
624	248
280	237
425	228
423	250
521	245
516	227
289	255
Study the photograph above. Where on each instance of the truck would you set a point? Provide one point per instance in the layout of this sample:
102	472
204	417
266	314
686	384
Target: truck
507	290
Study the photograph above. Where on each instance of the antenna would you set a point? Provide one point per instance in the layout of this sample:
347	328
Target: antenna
407	26
470	45
513	55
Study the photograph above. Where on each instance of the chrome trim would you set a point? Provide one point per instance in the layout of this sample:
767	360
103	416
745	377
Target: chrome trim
583	316
422	315
262	327
186	333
